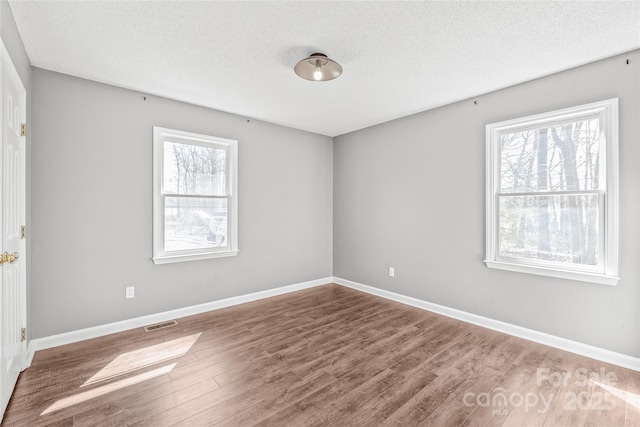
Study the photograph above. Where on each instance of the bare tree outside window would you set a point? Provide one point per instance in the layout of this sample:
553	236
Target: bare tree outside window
195	196
549	193
552	193
194	222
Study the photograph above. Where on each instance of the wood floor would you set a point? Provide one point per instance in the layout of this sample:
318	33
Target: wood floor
326	356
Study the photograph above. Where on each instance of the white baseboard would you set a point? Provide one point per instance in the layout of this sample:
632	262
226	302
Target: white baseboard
110	328
586	350
31	351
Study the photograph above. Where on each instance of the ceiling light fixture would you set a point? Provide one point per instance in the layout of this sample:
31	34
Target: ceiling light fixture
318	68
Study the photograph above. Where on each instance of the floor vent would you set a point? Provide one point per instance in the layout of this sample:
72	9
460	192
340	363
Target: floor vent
160	325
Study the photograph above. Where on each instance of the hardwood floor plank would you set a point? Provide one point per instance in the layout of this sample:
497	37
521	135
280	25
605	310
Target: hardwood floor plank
136	409
274	403
628	390
387	402
450	412
423	403
490	408
298	414
348	408
326	356
181	412
237	404
74	401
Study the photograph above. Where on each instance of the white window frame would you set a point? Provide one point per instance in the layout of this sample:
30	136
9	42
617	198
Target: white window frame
607	272
162	135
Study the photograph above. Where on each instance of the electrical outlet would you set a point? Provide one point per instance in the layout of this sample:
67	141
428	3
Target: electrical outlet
129	292
392	272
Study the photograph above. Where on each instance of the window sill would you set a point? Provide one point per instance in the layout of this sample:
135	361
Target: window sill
580	276
168	259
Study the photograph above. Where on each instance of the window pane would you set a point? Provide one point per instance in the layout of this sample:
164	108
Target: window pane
563	157
552	228
194	169
194	223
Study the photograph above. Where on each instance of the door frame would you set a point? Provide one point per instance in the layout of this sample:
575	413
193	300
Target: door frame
10	69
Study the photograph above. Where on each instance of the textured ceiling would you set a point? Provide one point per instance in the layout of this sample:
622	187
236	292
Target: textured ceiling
399	58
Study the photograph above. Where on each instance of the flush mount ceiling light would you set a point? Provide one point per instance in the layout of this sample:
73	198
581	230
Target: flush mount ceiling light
318	68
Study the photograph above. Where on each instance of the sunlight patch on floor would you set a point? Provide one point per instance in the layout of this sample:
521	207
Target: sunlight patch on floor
107	388
631	398
144	357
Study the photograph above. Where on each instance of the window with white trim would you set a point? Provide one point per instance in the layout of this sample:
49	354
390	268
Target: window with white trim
195	196
552	193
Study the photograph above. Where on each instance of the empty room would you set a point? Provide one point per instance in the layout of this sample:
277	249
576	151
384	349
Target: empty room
320	213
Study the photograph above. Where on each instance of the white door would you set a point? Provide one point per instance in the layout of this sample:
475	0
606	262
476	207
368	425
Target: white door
12	217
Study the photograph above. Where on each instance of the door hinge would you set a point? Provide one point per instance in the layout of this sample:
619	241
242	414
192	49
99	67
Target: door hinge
23	232
24	334
23	129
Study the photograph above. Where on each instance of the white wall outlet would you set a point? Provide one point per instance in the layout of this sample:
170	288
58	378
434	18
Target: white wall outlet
392	272
129	292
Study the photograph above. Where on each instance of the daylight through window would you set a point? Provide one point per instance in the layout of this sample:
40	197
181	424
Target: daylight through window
552	193
195	196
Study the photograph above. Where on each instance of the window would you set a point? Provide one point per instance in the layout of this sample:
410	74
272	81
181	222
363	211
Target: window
552	194
195	196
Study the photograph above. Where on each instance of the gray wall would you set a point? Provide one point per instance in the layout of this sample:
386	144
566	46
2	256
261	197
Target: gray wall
91	220
13	42
410	194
